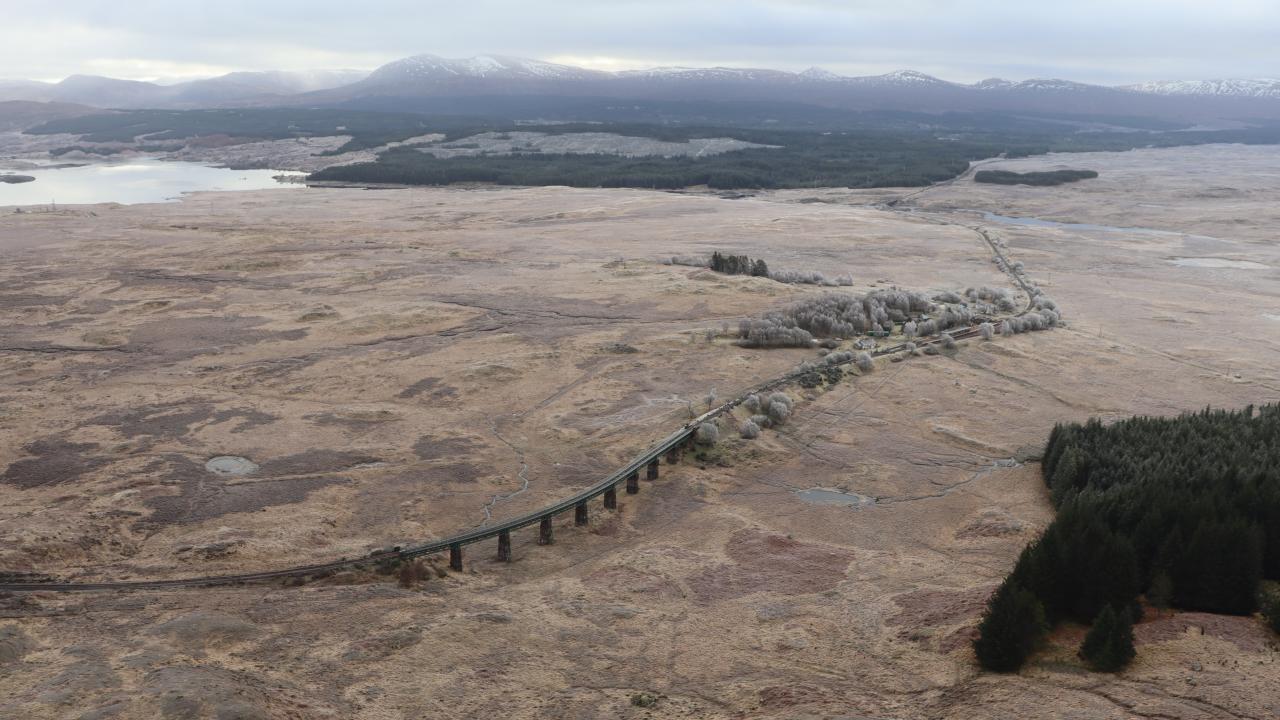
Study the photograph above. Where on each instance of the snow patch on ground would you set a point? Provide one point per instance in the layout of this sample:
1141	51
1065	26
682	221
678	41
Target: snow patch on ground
583	144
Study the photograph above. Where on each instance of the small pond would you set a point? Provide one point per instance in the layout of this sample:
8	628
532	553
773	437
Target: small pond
824	496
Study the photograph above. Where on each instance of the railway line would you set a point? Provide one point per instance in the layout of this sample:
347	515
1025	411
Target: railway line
627	476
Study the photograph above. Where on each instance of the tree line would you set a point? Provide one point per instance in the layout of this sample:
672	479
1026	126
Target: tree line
738	265
1184	511
1042	179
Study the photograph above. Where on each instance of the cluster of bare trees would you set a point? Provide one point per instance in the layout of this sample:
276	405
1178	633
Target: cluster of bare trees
777	407
950	317
1043	302
832	315
837	358
1032	321
766	411
1000	298
768	333
773	409
810	277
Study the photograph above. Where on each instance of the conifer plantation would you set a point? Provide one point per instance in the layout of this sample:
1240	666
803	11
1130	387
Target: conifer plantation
1185	510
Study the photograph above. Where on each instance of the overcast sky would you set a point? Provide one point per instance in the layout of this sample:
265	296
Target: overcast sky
1105	41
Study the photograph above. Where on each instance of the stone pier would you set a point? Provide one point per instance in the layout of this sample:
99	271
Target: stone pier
504	546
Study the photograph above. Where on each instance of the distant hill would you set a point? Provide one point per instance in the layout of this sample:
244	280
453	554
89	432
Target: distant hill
22	114
239	88
406	83
503	85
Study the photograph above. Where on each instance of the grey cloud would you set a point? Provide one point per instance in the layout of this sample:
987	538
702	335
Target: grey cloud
1092	40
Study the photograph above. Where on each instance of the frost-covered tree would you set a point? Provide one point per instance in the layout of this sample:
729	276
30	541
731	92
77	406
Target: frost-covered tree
708	434
987	330
865	362
752	403
779	413
691	260
771	333
749	430
778	408
837	358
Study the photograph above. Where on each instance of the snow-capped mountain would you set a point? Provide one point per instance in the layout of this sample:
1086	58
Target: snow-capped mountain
430	83
421	68
1036	85
819	74
1258	88
711	74
900	78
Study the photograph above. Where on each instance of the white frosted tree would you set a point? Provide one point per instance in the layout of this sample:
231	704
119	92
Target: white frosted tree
708	434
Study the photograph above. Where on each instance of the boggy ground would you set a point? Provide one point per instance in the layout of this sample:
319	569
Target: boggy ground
392	360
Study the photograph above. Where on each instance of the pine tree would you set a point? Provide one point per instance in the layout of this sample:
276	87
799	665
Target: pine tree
1220	569
1160	594
1270	602
1066	474
1011	629
1108	646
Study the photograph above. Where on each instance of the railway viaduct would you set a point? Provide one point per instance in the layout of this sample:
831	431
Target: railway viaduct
627	477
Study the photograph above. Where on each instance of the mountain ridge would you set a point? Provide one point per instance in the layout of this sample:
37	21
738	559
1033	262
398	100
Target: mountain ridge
417	79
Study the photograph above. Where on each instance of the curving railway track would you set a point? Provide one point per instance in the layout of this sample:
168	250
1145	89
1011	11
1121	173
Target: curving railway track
627	475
